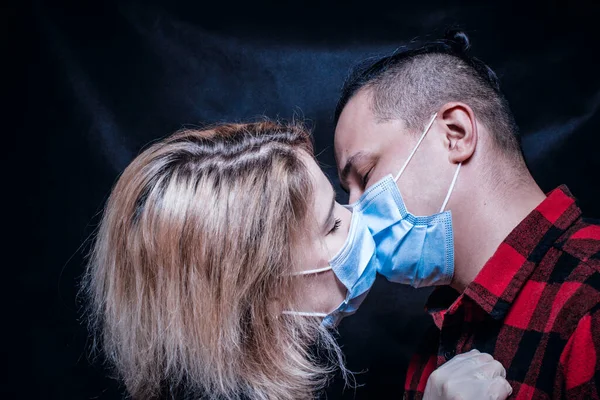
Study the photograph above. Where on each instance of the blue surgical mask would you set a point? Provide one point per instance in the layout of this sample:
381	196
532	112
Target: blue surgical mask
413	250
355	266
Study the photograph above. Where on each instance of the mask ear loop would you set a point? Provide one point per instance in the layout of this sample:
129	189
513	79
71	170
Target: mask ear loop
416	147
451	188
312	271
410	156
308	313
305	314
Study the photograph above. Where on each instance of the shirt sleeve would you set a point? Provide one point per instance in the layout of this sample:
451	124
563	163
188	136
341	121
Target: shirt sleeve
422	364
579	364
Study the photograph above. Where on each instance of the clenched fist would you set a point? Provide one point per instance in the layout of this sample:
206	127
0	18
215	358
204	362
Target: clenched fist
471	375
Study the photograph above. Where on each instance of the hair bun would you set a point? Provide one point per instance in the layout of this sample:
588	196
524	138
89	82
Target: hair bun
458	40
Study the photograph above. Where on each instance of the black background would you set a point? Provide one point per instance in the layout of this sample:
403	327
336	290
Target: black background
105	78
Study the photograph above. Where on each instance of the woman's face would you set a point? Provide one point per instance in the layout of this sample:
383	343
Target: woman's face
323	291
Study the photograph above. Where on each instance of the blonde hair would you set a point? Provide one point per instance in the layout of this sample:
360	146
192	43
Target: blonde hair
190	270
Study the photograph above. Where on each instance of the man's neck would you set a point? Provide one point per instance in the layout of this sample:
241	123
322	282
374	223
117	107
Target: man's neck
493	211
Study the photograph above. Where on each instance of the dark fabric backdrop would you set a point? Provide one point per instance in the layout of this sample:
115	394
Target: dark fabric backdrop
105	79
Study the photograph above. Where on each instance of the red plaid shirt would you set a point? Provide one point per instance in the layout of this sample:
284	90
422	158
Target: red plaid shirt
535	306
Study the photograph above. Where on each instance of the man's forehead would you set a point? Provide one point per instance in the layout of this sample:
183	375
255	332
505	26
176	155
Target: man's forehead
354	127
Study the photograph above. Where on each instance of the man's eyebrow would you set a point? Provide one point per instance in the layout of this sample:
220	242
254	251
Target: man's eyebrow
329	218
350	163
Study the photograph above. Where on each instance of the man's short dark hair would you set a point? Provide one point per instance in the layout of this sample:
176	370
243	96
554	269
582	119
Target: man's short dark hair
413	83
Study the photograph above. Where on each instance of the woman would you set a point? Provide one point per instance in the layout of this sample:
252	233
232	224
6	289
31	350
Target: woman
221	260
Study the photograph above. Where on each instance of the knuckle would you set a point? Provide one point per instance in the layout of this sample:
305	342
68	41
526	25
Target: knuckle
434	378
446	390
462	356
499	367
499	388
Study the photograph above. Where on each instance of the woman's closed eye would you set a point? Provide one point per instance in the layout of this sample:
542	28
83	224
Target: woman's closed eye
336	226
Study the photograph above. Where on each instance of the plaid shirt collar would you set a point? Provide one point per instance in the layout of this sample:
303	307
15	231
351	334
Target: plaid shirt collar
506	272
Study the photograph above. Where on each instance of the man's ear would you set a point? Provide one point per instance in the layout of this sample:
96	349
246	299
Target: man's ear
460	130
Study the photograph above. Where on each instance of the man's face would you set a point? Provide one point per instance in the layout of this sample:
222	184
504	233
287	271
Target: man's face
368	149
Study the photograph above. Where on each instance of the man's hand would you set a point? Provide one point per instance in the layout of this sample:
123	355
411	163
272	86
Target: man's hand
471	375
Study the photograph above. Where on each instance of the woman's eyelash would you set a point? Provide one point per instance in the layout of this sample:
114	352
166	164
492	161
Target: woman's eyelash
336	225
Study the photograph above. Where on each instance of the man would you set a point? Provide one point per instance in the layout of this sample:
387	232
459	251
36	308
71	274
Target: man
519	269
